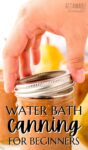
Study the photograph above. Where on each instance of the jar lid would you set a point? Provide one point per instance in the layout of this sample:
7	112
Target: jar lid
45	85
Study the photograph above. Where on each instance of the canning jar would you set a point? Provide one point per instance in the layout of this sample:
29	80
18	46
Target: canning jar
45	101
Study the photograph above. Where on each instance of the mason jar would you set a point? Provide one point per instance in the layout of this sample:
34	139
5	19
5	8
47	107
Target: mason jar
44	101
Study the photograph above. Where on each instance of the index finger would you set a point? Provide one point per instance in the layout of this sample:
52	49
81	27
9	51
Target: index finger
13	48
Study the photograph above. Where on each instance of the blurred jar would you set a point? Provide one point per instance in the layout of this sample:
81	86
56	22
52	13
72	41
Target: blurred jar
81	90
8	100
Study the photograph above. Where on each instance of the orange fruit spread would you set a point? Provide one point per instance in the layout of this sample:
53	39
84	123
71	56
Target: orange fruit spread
40	140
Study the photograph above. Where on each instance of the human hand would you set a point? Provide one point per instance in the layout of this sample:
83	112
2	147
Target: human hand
34	19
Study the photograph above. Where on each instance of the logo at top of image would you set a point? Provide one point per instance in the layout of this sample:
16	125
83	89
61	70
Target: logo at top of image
76	6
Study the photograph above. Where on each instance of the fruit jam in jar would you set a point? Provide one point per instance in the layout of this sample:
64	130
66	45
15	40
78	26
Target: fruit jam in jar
45	118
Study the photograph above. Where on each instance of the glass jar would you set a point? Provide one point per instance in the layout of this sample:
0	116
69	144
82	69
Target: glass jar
44	101
8	100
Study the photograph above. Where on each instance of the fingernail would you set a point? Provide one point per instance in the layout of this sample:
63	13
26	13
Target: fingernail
80	76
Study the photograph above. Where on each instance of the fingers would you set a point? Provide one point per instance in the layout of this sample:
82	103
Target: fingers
13	48
24	65
36	49
11	67
76	46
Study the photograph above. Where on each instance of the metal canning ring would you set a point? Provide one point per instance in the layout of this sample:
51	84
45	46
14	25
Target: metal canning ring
48	83
40	76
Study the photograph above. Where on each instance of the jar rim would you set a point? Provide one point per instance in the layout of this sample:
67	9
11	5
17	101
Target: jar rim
47	84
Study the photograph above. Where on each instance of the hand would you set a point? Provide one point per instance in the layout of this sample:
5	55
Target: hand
34	19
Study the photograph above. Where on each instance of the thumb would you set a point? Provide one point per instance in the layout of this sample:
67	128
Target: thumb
75	47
